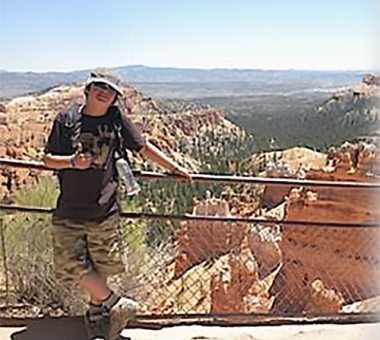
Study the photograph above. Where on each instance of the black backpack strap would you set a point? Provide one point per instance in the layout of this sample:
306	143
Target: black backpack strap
73	123
117	127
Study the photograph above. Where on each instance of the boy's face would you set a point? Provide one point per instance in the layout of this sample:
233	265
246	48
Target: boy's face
101	93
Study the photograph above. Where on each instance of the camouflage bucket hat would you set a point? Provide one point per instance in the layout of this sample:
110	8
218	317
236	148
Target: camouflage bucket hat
107	76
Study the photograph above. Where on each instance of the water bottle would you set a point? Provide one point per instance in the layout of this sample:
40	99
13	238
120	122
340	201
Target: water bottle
126	176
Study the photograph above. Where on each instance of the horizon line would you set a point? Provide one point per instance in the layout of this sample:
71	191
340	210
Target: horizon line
195	69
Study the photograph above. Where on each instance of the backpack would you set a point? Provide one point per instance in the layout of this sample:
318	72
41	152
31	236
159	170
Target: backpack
73	121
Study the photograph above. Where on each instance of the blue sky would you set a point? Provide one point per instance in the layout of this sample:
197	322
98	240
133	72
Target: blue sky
66	35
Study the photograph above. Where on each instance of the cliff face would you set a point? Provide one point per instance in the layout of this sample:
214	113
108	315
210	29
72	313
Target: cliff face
344	260
350	112
355	105
324	267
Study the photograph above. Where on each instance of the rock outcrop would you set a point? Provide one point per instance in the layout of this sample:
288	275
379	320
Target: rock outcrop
343	261
217	266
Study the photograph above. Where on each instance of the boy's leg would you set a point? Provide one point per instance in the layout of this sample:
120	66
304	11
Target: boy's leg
95	285
70	254
71	262
105	250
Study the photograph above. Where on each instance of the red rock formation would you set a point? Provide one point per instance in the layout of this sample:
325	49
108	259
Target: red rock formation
344	259
361	157
228	297
323	300
205	117
273	195
350	161
263	241
198	241
233	253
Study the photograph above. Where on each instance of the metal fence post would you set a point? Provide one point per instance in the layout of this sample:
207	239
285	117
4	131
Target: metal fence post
4	258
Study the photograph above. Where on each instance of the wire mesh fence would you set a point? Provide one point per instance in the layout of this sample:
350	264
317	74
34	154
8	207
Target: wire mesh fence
305	256
207	267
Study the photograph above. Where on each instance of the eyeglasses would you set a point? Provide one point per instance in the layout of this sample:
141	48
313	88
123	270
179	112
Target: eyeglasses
104	86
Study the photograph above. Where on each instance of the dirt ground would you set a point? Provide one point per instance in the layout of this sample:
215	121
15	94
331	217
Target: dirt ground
72	329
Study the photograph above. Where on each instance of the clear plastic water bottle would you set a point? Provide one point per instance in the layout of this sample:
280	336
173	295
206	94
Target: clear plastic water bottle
126	176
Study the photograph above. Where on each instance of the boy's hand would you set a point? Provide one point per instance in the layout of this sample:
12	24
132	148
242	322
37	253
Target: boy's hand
180	171
80	160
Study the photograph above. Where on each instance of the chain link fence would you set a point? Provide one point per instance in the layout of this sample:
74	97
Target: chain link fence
284	262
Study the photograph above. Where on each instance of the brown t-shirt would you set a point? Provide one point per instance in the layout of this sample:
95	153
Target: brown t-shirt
92	193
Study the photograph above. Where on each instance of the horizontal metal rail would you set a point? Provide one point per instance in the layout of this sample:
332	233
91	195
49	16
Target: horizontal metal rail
259	318
190	217
212	177
159	321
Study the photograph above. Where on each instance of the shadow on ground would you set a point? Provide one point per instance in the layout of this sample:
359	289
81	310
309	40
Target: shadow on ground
52	329
66	328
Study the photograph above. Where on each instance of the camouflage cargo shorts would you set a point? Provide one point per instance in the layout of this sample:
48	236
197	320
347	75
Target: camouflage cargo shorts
82	247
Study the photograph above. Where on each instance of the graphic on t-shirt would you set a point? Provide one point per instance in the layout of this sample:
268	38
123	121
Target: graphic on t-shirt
98	144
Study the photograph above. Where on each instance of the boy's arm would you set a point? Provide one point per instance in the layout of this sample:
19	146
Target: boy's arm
78	160
58	153
58	162
154	154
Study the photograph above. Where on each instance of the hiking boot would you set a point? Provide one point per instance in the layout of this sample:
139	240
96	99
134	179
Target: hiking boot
97	324
121	310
